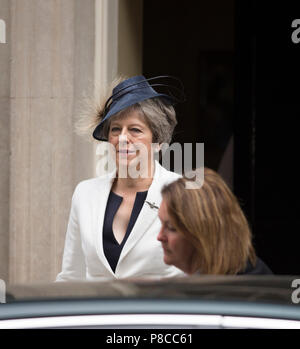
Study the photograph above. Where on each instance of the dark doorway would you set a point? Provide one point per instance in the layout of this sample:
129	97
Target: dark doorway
241	73
193	40
266	128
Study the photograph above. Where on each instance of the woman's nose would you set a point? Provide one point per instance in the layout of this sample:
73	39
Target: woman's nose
161	236
123	137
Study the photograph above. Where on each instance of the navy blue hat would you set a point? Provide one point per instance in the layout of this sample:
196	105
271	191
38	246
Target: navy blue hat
130	92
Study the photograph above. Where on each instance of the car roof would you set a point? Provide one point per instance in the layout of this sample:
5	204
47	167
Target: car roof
246	288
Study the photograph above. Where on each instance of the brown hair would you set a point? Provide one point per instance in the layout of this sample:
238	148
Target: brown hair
211	218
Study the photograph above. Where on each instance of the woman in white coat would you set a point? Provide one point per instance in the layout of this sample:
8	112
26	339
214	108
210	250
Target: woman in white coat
114	221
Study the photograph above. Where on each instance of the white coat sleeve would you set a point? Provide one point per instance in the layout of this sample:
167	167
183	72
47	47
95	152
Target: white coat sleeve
73	265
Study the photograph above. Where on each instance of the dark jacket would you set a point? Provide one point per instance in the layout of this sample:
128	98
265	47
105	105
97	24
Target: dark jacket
259	268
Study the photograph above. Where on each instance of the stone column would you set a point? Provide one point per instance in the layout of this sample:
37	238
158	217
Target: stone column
55	51
4	137
52	69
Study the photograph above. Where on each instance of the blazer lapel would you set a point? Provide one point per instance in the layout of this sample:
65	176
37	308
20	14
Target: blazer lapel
104	187
148	213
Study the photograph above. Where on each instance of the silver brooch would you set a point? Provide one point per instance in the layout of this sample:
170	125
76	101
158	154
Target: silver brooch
152	205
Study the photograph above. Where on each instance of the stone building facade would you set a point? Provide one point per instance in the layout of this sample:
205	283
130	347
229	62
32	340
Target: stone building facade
55	52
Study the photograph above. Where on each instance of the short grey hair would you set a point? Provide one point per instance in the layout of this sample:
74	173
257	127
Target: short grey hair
158	114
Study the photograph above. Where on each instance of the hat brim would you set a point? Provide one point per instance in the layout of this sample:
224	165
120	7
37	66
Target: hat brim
124	103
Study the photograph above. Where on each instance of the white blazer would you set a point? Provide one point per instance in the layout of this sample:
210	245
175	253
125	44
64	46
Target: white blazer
142	254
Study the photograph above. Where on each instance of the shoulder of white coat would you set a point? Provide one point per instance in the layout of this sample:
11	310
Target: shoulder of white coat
168	176
89	187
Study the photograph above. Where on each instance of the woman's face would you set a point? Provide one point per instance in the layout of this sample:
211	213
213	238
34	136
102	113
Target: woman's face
178	250
132	139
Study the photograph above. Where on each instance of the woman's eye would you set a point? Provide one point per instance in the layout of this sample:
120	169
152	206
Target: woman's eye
171	228
116	129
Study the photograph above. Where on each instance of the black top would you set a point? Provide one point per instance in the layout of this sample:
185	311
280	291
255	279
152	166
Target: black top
112	249
259	268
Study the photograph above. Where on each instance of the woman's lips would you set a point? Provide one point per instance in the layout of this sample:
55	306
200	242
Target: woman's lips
166	250
126	153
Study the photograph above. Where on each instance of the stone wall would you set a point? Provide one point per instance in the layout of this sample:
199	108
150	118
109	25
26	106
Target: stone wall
52	55
55	52
4	140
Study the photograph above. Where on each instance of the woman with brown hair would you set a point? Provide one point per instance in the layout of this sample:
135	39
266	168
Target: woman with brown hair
204	230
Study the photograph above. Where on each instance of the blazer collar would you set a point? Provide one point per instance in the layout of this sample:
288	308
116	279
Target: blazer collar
104	186
148	213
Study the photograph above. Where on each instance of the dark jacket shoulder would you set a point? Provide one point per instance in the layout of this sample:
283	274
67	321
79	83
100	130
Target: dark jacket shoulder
259	268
